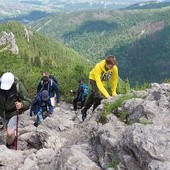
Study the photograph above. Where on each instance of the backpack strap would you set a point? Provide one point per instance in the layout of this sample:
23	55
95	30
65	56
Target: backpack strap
51	82
17	87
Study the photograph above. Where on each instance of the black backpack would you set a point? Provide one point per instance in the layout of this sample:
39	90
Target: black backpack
53	78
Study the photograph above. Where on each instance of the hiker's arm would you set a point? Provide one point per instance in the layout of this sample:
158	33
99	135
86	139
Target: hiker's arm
98	73
114	80
57	92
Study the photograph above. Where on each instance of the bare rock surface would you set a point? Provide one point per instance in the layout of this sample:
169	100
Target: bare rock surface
64	142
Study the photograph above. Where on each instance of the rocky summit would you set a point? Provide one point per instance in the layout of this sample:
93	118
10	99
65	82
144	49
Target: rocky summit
64	142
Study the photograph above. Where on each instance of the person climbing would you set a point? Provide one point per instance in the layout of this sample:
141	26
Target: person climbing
13	100
40	106
45	73
81	95
99	77
48	84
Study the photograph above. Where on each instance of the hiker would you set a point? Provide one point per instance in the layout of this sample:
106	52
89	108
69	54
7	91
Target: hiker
81	95
41	106
13	100
48	84
99	77
45	73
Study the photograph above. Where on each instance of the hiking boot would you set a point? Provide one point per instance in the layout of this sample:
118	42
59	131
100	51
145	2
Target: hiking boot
83	111
9	146
35	124
13	145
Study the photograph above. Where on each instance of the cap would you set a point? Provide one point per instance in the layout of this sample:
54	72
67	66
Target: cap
45	95
45	78
7	80
80	81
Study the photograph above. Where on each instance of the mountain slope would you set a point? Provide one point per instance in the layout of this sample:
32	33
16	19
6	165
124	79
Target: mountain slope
38	53
99	33
148	5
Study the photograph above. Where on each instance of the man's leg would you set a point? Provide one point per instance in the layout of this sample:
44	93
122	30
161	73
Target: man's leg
10	136
88	104
83	101
75	104
40	116
97	102
11	128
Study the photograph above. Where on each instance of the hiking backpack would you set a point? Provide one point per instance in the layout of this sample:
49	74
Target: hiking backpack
85	89
53	78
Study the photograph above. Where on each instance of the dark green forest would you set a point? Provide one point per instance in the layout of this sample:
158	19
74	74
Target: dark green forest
38	54
138	38
148	5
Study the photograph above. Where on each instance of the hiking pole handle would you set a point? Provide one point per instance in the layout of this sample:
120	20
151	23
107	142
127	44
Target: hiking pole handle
17	119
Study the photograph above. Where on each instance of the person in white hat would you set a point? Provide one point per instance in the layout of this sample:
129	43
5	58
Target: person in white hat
13	99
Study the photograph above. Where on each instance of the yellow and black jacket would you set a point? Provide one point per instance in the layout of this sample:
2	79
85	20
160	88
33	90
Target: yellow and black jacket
101	76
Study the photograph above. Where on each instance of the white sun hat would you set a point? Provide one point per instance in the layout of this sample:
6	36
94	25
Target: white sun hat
7	80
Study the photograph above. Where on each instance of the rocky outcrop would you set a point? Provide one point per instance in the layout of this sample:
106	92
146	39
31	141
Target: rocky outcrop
8	42
138	146
64	142
28	33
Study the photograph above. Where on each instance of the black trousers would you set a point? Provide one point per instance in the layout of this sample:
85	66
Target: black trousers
94	98
76	101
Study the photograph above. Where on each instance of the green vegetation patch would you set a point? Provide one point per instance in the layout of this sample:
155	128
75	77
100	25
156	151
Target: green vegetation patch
113	163
112	108
145	121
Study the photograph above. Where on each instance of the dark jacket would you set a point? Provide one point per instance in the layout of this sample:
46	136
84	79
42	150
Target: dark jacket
81	96
8	98
37	104
51	87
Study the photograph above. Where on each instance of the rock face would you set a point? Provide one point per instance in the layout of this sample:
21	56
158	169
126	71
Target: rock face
9	43
63	142
28	33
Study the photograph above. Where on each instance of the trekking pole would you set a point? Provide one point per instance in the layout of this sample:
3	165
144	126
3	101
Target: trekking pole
16	143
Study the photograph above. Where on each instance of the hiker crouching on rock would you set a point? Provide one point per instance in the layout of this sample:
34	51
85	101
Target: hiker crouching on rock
99	77
81	94
13	100
41	106
51	86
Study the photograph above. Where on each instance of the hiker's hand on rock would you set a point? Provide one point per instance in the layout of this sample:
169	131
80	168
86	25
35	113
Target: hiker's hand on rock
114	95
18	105
109	97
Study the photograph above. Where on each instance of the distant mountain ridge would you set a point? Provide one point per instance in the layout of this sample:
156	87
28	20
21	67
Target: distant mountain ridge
23	10
139	39
148	5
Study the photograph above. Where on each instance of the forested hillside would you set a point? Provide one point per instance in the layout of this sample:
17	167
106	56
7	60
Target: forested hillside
38	53
148	5
139	39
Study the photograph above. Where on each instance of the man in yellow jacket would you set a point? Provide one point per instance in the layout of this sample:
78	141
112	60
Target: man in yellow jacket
99	76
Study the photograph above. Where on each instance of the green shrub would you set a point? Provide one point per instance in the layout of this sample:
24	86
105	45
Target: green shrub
167	81
113	163
123	115
112	108
145	121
